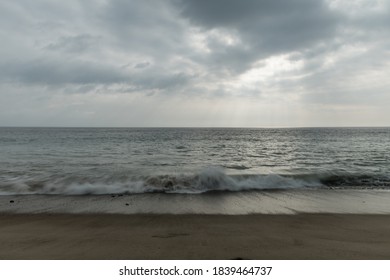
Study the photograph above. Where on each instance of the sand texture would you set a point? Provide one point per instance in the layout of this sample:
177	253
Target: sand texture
109	236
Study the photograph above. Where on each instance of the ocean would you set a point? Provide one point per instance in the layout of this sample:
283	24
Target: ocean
94	161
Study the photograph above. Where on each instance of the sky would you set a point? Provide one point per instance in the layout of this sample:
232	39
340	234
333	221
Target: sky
195	63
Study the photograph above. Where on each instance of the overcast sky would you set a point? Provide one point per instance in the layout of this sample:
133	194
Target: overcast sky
251	63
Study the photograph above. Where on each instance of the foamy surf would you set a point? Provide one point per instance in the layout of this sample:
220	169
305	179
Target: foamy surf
207	180
210	179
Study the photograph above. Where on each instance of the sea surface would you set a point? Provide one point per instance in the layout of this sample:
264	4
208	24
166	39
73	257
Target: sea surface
79	161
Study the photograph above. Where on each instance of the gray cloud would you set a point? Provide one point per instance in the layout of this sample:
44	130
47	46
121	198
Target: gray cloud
142	65
300	20
52	72
74	44
303	51
263	28
148	28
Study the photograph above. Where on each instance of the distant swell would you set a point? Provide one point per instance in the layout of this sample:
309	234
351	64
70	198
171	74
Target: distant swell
210	179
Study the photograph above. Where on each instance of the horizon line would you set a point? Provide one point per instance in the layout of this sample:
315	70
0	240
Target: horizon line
249	127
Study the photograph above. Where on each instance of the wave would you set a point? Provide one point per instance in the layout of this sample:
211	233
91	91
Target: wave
207	180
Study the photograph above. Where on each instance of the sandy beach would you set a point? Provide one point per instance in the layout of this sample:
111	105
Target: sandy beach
296	224
108	236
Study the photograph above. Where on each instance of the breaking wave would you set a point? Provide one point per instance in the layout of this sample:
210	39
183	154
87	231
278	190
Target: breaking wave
210	179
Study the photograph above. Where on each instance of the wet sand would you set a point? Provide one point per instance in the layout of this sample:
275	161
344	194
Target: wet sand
224	203
117	236
290	224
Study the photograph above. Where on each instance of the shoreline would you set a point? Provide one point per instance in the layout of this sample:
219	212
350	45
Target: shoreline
296	224
296	201
114	237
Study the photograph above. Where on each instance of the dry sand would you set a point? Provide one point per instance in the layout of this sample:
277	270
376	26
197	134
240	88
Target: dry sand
109	236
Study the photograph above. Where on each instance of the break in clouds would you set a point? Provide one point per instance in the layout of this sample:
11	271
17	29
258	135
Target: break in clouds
194	63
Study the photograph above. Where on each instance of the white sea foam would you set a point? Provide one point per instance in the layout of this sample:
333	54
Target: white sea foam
209	179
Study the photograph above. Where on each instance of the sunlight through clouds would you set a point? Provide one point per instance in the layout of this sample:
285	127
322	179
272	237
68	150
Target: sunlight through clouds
194	62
